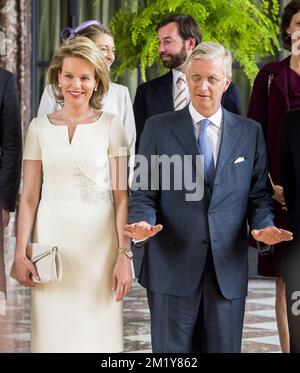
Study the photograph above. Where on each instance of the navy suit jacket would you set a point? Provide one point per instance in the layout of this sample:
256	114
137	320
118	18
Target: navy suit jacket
10	140
156	97
10	153
174	259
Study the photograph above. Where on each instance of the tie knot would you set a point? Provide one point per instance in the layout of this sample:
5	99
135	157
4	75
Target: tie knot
204	123
181	80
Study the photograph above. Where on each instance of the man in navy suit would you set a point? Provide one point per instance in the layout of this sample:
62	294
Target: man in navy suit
195	269
177	35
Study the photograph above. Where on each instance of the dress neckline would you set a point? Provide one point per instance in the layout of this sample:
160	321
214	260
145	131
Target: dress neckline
81	125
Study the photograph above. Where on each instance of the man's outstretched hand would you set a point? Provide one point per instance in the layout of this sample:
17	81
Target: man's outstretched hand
271	235
141	230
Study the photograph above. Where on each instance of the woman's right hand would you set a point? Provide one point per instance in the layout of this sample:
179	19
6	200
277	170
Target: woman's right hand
25	272
278	196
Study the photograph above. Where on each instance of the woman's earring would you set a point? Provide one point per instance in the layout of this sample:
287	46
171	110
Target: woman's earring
95	89
59	85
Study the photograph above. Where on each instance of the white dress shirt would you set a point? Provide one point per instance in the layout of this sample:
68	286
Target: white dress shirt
214	130
116	101
177	74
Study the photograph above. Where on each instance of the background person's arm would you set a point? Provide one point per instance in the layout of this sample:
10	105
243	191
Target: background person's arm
11	146
48	103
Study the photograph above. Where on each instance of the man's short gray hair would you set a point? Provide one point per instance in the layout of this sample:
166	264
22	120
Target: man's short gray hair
211	51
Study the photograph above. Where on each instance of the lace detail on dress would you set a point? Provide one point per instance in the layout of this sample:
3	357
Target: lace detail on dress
90	191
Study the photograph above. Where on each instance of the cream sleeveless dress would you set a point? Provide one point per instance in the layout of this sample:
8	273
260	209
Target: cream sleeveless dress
76	213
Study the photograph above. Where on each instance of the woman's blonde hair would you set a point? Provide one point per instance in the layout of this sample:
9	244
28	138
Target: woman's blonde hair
79	47
94	31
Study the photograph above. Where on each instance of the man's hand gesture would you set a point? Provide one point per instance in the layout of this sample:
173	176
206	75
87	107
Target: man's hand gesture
271	235
141	230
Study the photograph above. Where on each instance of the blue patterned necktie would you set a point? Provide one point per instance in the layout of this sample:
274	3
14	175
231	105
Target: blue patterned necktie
206	151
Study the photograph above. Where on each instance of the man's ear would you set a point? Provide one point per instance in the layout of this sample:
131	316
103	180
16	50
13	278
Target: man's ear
228	81
191	43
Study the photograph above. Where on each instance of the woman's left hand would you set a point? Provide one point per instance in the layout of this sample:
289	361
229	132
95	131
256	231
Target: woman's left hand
122	277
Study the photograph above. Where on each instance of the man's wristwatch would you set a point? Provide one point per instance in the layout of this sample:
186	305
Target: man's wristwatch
125	250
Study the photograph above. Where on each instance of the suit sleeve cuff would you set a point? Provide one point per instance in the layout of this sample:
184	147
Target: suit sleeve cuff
264	249
139	243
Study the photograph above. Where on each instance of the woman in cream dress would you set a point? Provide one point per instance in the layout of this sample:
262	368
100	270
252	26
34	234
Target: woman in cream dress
117	99
71	186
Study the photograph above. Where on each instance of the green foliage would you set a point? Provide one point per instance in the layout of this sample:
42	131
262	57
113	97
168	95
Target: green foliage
248	28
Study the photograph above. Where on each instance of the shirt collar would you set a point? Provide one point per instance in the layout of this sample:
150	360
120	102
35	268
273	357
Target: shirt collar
216	118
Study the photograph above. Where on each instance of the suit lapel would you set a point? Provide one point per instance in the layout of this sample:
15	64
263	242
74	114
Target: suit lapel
165	91
230	136
184	131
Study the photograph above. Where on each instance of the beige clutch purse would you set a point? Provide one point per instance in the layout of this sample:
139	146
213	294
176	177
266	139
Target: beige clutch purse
46	260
